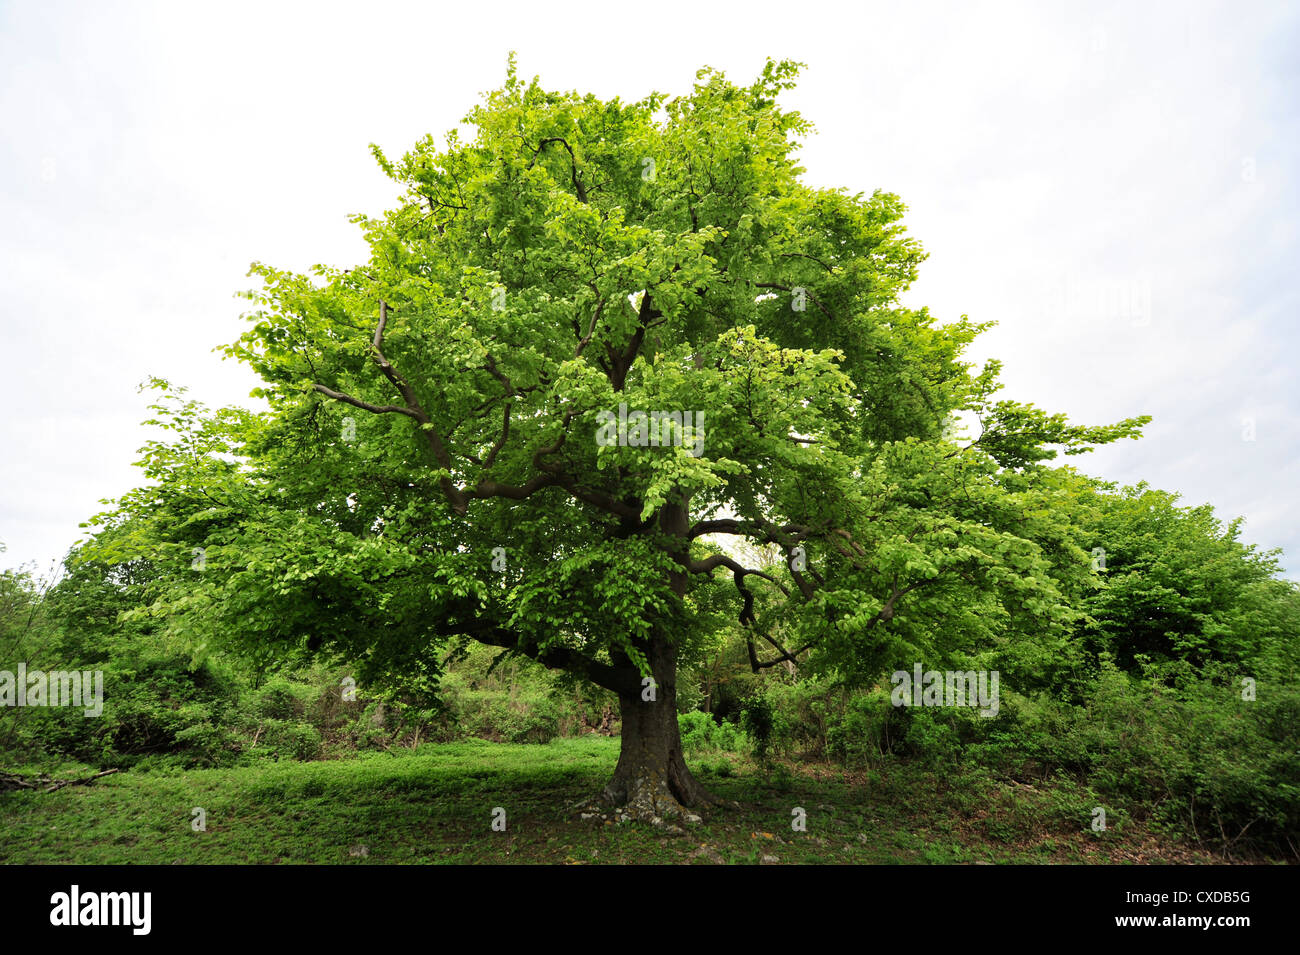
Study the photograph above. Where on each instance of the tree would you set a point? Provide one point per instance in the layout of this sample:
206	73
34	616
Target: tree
1180	585
590	344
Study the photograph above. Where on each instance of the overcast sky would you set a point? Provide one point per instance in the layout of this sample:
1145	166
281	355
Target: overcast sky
1115	184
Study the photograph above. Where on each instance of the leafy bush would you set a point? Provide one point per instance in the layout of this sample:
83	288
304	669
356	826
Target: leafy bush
865	728
517	716
277	701
288	740
151	707
702	734
207	744
1177	745
759	718
801	714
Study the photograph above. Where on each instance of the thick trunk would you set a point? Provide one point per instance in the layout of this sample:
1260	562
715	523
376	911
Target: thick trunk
651	778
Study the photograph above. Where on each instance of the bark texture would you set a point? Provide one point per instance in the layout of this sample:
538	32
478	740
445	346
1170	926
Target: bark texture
651	778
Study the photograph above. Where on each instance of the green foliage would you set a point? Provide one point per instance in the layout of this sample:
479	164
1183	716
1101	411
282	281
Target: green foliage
427	505
802	710
505	716
759	720
152	706
1207	762
1179	585
277	701
289	740
865	728
701	733
430	473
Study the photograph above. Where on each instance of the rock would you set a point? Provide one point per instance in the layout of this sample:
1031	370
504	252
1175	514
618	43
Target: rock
587	815
708	852
675	830
359	852
691	819
769	860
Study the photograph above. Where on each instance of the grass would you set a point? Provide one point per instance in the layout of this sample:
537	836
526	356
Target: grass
435	805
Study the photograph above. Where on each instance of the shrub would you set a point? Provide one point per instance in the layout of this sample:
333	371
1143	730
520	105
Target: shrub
291	740
759	718
153	706
701	734
277	701
867	727
207	744
802	711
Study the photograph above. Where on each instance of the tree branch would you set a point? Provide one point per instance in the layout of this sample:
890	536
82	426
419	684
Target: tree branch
363	405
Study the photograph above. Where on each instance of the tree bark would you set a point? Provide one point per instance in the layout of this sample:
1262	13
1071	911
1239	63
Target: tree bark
651	778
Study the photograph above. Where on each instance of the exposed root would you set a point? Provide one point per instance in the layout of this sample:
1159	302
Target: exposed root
646	797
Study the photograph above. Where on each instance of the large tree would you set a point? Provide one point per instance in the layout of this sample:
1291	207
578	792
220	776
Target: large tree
464	439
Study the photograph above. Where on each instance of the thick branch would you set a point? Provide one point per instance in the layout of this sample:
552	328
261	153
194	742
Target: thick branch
620	362
619	680
550	476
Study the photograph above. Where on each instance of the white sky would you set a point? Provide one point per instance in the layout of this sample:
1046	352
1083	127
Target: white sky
1115	184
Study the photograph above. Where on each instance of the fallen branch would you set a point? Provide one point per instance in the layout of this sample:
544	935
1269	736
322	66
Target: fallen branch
10	781
80	782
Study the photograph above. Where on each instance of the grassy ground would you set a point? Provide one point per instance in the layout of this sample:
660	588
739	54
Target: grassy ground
436	805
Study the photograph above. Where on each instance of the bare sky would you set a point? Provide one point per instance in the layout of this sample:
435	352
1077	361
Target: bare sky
1115	184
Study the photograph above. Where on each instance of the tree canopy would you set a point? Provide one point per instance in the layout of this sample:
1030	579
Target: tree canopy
595	344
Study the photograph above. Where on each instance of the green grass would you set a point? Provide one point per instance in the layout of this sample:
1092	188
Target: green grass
435	805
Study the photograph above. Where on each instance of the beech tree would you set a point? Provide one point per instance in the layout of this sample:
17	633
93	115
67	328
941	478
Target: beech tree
593	343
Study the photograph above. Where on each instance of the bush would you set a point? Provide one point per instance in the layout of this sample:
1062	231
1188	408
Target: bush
802	714
867	727
702	734
759	718
1182	748
277	701
505	716
291	740
151	707
207	744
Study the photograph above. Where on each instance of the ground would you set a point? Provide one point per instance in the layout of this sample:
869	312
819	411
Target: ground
437	805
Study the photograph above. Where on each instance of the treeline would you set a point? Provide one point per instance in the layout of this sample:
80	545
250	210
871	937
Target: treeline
1171	697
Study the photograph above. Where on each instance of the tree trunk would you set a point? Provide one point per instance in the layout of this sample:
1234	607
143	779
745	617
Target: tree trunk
651	778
